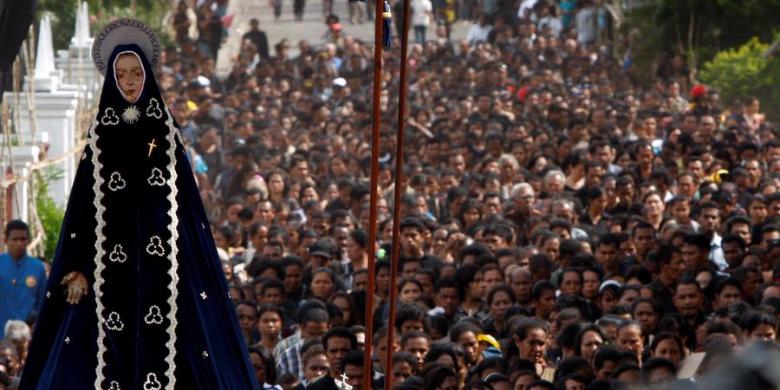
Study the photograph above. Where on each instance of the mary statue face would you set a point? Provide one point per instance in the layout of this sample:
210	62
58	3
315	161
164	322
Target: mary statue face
129	75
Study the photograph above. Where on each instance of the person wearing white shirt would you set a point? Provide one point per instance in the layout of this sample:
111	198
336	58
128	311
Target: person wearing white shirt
422	13
480	31
526	8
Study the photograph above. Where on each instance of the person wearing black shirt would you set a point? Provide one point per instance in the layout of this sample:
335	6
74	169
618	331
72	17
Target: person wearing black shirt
258	38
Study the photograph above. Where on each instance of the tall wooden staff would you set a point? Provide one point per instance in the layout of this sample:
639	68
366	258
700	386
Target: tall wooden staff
379	23
398	191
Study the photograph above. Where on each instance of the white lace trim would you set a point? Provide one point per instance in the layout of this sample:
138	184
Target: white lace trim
172	256
172	136
100	252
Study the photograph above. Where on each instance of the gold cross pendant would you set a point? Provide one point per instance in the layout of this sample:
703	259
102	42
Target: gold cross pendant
152	145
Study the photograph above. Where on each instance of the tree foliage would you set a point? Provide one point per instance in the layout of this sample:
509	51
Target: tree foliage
101	12
714	25
699	29
50	214
744	72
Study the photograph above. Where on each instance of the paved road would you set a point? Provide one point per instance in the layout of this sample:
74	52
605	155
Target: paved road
311	28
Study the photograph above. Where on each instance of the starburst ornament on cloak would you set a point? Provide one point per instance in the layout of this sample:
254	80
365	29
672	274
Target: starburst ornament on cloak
131	115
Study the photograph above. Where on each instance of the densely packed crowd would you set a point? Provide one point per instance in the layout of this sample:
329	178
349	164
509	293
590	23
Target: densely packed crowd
563	226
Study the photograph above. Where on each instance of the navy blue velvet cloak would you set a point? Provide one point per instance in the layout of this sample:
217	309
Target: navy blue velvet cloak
158	315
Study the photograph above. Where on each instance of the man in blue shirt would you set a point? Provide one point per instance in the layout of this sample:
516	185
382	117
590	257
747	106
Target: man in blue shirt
22	278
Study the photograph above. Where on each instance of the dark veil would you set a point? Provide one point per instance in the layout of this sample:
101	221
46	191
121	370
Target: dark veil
158	314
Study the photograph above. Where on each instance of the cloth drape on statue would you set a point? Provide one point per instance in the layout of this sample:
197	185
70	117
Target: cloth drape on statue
160	315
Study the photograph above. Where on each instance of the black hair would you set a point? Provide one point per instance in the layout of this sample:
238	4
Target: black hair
288	261
412	222
653	364
656	308
261	264
581	334
542	383
624	367
527	324
453	350
360	237
247	303
640	272
381	264
414	334
500	229
465	275
463	327
573	365
606	354
688	280
752	319
496	363
313	313
699	240
435	376
340	332
438	322
475	250
409	312
405	357
540	287
269	365
659	337
352	358
641	224
446	283
498	288
567	336
609	239
718	284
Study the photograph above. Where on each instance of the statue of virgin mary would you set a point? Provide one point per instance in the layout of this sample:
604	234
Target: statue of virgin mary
137	298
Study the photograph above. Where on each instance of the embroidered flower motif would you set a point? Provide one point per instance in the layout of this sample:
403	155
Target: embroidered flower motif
114	322
156	179
67	340
154	316
116	182
117	255
73	235
114	386
131	115
203	295
205	354
109	117
154	247
153	110
151	382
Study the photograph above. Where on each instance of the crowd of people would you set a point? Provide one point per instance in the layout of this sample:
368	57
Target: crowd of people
563	226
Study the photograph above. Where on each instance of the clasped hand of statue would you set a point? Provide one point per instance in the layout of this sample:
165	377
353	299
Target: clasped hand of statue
77	287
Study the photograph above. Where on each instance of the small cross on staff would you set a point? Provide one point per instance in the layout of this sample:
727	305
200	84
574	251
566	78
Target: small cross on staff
152	145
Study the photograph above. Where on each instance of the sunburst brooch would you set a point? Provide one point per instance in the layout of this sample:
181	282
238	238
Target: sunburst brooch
131	114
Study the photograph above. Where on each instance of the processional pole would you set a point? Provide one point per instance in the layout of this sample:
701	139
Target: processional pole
369	309
399	188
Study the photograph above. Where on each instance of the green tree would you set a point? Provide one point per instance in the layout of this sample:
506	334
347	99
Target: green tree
744	72
699	28
50	214
63	14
